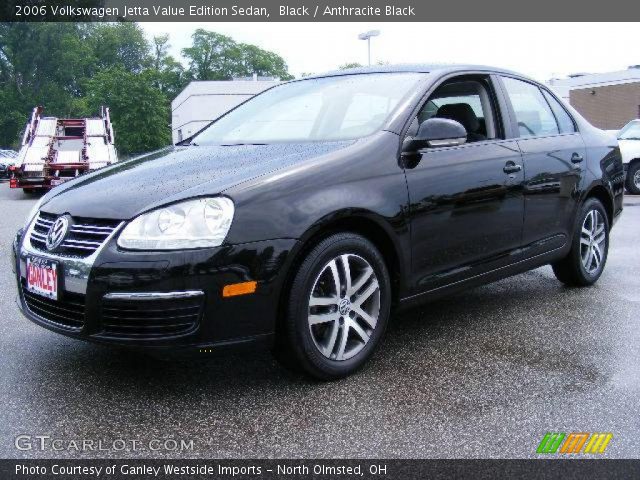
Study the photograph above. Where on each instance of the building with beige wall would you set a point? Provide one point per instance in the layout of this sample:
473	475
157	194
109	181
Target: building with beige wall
608	100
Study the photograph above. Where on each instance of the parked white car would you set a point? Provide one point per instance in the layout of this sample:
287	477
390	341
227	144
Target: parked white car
629	141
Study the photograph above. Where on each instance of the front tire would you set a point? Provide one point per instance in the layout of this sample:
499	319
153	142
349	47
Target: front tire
589	249
338	307
633	179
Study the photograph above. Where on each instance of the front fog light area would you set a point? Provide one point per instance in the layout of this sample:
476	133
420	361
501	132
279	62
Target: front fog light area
198	223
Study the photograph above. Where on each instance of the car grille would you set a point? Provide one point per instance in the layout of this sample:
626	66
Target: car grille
85	235
150	318
67	311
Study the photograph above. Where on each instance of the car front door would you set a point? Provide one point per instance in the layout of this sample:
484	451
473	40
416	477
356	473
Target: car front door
554	156
466	204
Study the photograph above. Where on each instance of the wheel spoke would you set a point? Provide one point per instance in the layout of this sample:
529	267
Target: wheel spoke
597	255
336	277
364	277
360	331
371	321
316	318
333	336
589	260
347	273
323	301
599	230
360	299
584	241
343	342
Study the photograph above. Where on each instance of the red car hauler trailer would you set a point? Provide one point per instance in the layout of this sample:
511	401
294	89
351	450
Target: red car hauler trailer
58	149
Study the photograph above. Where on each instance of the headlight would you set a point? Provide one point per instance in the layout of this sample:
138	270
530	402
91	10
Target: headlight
203	222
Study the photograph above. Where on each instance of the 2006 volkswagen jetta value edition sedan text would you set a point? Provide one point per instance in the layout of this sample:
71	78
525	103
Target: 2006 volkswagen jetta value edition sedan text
301	218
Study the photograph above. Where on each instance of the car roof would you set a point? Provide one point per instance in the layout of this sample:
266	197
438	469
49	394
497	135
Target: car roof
417	68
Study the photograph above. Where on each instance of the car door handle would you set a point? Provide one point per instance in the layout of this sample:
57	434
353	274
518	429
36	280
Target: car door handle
576	157
512	167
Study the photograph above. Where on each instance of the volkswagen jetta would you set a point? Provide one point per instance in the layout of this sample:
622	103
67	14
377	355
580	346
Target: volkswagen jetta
301	218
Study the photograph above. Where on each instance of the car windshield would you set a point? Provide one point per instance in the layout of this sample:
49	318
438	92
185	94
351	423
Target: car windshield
319	109
630	132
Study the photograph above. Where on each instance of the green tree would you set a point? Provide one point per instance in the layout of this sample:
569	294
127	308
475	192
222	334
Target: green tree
74	68
213	56
263	63
120	44
139	110
28	77
168	74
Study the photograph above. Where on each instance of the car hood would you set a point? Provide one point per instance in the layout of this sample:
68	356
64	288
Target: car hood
126	189
629	149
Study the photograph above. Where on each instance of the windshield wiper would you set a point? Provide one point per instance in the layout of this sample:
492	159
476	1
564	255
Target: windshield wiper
239	144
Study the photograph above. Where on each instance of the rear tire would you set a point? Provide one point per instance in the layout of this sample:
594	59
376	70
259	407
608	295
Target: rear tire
589	247
632	182
338	307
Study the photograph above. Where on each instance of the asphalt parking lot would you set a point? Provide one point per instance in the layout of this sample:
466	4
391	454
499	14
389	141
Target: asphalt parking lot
483	374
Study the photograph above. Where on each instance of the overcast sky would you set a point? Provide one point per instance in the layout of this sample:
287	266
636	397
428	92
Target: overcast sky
540	50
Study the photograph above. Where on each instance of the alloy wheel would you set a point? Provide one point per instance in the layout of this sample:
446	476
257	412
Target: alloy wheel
636	179
344	307
593	241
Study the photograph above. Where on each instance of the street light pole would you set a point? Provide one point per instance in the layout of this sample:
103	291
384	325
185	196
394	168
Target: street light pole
367	36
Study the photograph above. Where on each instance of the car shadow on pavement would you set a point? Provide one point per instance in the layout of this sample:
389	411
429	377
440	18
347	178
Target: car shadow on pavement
435	339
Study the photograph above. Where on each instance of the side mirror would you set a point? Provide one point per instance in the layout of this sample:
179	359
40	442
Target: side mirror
437	132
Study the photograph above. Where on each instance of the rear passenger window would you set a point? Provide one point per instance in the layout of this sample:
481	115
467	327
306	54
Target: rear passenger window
532	111
564	120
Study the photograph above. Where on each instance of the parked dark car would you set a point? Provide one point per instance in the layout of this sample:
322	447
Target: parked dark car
304	216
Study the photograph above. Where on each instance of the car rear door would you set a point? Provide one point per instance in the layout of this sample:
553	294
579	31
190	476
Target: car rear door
466	204
554	155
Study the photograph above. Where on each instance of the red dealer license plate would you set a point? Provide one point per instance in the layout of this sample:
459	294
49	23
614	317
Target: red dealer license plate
42	277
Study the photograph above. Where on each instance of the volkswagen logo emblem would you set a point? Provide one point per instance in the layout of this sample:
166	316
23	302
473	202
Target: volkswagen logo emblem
344	307
57	232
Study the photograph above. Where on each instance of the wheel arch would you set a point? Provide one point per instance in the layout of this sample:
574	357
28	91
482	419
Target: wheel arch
601	193
368	224
362	223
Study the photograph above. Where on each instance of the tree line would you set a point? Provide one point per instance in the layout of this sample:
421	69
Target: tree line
74	68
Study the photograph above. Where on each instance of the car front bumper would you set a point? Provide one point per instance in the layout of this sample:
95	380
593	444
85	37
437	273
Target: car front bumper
160	299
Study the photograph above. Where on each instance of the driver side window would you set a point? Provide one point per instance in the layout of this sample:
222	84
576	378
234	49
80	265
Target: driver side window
467	102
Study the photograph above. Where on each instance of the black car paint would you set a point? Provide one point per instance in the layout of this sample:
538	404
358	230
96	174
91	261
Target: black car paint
446	219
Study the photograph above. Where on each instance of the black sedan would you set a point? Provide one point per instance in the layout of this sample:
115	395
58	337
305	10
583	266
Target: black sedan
303	217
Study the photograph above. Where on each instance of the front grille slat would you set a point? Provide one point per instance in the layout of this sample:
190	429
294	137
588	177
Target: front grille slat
150	318
187	310
159	320
57	308
68	311
81	227
84	237
147	327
